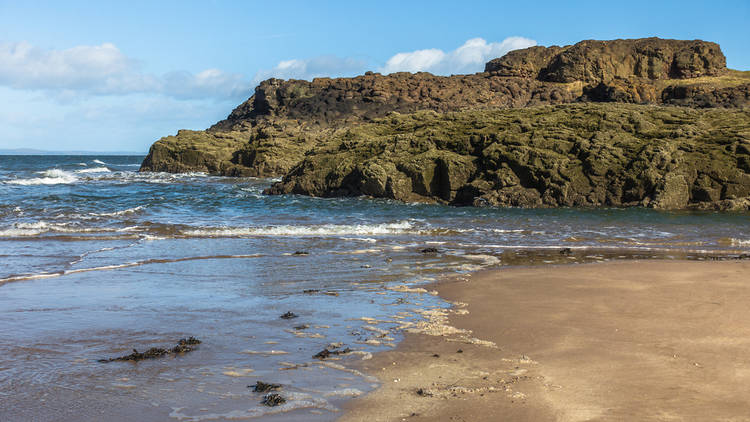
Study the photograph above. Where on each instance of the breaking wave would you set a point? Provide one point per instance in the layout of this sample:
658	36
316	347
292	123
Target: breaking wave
48	177
95	170
40	227
402	227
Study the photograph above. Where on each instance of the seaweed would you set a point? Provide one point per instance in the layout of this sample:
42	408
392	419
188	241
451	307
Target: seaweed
273	399
263	387
184	345
327	352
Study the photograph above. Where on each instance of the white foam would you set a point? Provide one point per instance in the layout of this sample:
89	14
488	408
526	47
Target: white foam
306	231
739	242
295	401
159	177
39	227
98	162
95	170
344	392
118	266
264	352
121	212
49	177
485	259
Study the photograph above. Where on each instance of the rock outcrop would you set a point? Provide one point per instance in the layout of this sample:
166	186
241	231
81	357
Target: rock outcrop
593	61
546	156
516	134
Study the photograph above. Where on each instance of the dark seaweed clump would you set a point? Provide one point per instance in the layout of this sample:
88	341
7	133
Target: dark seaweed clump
263	387
185	345
326	353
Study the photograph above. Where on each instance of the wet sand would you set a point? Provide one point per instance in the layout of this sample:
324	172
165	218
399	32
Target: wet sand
636	340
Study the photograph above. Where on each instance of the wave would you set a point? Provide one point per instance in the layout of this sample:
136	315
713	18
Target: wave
40	227
119	213
98	162
102	173
124	265
402	227
181	231
95	170
48	177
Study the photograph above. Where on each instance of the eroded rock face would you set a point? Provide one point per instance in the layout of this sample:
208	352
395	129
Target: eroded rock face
548	156
594	61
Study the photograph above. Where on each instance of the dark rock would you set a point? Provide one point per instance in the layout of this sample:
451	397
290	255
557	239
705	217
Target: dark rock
288	315
429	250
601	61
702	96
301	253
525	63
273	399
566	251
424	393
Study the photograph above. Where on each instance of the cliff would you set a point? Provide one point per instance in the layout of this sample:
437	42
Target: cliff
529	131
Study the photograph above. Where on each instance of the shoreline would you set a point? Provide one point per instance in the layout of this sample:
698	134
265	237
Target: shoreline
626	340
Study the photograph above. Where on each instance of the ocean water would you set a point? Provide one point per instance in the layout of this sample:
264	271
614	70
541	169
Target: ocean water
97	259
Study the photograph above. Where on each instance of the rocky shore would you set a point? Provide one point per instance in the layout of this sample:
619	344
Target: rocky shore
646	122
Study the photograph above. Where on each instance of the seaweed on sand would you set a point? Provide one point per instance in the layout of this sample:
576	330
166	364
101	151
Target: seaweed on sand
185	345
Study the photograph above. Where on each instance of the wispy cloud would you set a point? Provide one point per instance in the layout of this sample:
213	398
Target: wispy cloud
468	58
105	70
312	68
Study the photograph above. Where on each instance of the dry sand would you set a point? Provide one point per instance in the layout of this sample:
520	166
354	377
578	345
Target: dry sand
624	341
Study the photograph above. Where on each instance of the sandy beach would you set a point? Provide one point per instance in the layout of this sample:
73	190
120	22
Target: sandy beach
635	340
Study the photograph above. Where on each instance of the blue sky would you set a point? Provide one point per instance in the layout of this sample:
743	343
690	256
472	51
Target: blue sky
113	77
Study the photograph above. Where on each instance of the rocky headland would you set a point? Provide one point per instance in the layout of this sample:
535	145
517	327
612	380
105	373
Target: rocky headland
646	122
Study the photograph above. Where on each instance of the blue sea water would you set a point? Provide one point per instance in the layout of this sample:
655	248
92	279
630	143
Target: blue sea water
97	259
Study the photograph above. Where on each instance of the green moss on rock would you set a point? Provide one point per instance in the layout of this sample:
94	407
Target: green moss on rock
567	155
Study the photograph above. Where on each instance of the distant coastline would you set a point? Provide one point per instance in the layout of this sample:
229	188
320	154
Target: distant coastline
31	151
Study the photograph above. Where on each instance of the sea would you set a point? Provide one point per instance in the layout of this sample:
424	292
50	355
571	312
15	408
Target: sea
98	260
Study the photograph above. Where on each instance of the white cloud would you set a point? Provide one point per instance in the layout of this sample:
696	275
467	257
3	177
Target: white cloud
469	58
105	70
312	68
70	74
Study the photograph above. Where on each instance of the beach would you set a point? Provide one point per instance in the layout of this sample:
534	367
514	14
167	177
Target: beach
99	259
627	340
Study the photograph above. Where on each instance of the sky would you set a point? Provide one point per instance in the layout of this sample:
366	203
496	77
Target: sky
107	76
